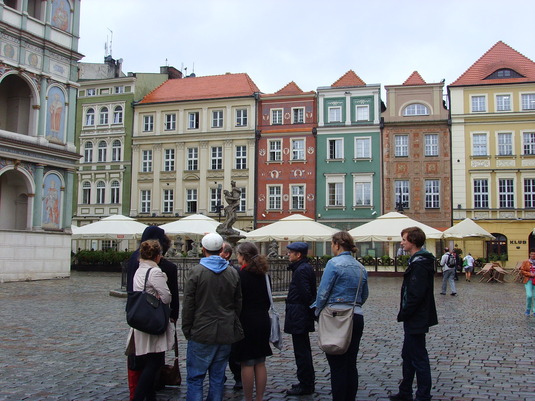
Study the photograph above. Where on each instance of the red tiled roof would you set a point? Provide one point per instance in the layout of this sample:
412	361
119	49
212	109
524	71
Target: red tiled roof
497	57
291	89
198	88
415	79
349	79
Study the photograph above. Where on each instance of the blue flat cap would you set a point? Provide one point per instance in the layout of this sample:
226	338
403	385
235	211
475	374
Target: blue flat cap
301	247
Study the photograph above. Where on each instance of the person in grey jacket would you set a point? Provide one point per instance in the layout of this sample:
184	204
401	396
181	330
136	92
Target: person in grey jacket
210	319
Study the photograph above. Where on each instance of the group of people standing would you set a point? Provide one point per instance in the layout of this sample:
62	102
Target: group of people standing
225	316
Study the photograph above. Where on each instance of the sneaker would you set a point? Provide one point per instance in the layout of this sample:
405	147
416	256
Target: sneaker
453	294
442	293
399	397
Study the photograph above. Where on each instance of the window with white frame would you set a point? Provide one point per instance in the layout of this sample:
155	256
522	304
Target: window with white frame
101	192
432	194
88	152
241	157
102	147
298	149
86	193
363	148
402	193
529	192
169	160
529	143
116	151
528	101
146	161
276	116
298	115
168	201
191	200
91	92
479	104
335	114
297	197
362	190
193	120
216	158
103	116
243	200
275	150
505	144
401	143
115	192
118	115
479	145
506	195
148	123
335	190
431	144
170	122
215	200
90	116
363	112
217	118
503	102
335	148
274	197
416	109
145	196
481	193
241	117
193	159
119	89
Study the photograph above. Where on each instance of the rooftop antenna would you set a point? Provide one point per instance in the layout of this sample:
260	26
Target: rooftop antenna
111	41
166	63
193	68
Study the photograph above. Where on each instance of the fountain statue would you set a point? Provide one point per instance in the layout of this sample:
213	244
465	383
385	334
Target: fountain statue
225	229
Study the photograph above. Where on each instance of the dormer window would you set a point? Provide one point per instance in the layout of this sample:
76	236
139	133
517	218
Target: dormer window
416	109
504	73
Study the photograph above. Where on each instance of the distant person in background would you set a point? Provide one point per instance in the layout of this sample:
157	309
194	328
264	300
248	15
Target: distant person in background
468	265
448	263
528	273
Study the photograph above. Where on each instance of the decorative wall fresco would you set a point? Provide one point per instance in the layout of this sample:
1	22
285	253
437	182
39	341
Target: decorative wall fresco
51	201
55	124
61	14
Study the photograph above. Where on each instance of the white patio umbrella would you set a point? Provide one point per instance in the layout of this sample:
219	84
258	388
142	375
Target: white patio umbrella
112	227
292	228
194	225
387	228
467	229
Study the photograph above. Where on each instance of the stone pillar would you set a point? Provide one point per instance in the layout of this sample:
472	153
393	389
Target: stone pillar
68	199
38	198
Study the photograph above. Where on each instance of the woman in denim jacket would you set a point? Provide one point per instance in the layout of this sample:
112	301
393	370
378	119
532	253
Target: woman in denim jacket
338	288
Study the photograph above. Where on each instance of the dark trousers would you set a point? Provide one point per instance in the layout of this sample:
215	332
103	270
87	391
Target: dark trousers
415	362
145	386
303	360
235	367
344	373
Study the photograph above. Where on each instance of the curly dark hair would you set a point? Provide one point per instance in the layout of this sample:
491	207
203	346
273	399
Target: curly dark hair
254	262
150	249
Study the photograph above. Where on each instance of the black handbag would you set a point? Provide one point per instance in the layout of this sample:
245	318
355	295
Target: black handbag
145	312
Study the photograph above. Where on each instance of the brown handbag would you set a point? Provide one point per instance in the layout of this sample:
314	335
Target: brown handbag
170	374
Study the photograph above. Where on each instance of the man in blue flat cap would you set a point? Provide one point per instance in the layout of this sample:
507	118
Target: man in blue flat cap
299	319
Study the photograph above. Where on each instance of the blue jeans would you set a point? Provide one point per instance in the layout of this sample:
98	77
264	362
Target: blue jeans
447	277
415	362
530	296
203	358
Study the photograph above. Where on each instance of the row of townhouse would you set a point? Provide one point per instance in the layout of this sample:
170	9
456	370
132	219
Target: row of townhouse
338	154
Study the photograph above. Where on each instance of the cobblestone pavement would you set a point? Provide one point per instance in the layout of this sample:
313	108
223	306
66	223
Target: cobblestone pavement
64	340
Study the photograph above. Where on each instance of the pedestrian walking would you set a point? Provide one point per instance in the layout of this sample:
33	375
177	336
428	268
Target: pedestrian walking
338	288
299	319
528	272
468	266
448	263
418	313
210	319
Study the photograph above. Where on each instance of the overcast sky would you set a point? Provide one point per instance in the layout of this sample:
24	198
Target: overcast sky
310	42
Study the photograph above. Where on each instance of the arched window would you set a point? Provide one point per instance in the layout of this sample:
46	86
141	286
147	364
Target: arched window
497	248
118	115
115	191
116	151
103	116
86	193
102	151
88	152
101	192
416	109
90	116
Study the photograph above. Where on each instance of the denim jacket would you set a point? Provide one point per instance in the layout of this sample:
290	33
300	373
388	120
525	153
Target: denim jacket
340	281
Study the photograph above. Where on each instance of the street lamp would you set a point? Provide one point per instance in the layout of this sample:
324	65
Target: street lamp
219	206
400	205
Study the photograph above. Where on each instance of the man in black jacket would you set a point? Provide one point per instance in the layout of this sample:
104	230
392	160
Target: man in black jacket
417	312
299	320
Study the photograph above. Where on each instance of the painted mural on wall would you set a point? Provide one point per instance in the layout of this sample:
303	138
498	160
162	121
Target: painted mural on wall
55	126
51	202
61	14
